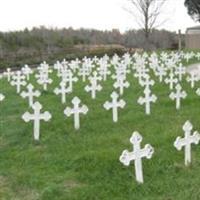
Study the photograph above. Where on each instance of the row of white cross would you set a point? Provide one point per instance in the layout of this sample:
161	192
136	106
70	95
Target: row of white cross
76	110
63	90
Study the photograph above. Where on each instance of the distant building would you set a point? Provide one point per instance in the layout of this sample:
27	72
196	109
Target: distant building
192	38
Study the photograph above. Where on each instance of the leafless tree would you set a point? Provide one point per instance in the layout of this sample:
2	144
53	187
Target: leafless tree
146	13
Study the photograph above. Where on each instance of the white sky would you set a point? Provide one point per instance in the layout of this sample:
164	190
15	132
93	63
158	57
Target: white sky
98	14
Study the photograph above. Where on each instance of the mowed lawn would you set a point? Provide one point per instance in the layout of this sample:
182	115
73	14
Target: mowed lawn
84	165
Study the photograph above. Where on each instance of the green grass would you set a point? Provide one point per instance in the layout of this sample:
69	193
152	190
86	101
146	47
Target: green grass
84	165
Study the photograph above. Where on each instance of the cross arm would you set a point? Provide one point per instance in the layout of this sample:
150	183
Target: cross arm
46	116
107	105
184	94
126	157
68	111
172	95
122	103
56	91
84	109
141	100
179	143
37	93
27	117
126	84
87	88
12	82
195	138
154	98
147	151
23	94
99	87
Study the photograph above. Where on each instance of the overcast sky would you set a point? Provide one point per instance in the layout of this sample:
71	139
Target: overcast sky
98	14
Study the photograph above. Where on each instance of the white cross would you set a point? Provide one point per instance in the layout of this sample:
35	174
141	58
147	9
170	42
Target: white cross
170	63
154	61
63	90
140	73
76	111
95	77
2	97
74	65
27	71
171	80
84	72
58	67
121	83
127	59
44	80
147	82
187	141
36	117
198	92
30	94
198	55
64	62
115	60
180	71
178	95
8	73
164	56
114	105
192	79
64	73
44	67
103	70
71	79
139	62
160	72
147	99
188	57
137	154
118	75
93	88
122	69
87	65
18	80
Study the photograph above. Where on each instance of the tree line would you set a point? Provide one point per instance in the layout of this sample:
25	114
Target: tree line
38	44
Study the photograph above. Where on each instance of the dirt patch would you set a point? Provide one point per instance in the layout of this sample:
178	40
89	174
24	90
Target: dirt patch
26	194
3	142
4	187
71	184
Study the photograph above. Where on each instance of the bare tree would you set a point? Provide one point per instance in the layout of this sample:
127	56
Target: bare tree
146	13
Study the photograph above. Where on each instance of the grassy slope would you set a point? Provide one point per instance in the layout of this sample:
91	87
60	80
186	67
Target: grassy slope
84	165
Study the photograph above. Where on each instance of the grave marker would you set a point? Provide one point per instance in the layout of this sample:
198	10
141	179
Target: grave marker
147	99
63	90
30	94
18	81
76	111
178	95
171	80
2	97
114	104
137	154
187	141
36	117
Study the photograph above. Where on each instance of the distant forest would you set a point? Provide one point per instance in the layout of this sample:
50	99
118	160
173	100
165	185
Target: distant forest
33	46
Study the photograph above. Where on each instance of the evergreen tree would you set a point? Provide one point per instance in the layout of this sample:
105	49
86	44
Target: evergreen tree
193	7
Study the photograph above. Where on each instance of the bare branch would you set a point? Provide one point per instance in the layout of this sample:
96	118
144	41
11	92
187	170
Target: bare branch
146	13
